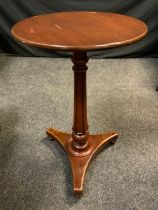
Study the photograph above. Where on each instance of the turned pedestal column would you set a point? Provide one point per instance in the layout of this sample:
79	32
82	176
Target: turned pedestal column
80	146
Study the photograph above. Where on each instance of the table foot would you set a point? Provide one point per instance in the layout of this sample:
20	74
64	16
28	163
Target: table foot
79	161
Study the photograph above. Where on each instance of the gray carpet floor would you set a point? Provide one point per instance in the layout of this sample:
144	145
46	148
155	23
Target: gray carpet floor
36	93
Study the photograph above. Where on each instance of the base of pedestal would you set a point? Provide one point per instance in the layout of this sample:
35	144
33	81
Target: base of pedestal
79	160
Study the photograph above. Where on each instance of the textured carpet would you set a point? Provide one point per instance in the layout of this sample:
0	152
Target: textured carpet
36	93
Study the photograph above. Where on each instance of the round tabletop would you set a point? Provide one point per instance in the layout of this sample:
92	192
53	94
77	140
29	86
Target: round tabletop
85	31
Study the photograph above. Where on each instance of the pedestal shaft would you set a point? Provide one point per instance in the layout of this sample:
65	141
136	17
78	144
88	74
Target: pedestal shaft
80	124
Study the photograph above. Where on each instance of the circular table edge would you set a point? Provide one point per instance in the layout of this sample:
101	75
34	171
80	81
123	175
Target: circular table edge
80	47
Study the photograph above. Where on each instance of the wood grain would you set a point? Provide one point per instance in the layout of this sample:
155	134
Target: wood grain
73	31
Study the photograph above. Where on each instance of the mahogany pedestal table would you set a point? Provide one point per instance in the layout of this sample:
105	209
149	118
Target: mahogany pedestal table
79	32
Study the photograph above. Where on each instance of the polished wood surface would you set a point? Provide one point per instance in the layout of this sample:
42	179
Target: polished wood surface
79	146
79	161
80	123
80	32
73	31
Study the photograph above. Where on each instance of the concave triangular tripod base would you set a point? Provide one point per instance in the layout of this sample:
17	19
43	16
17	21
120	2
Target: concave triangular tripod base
79	161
